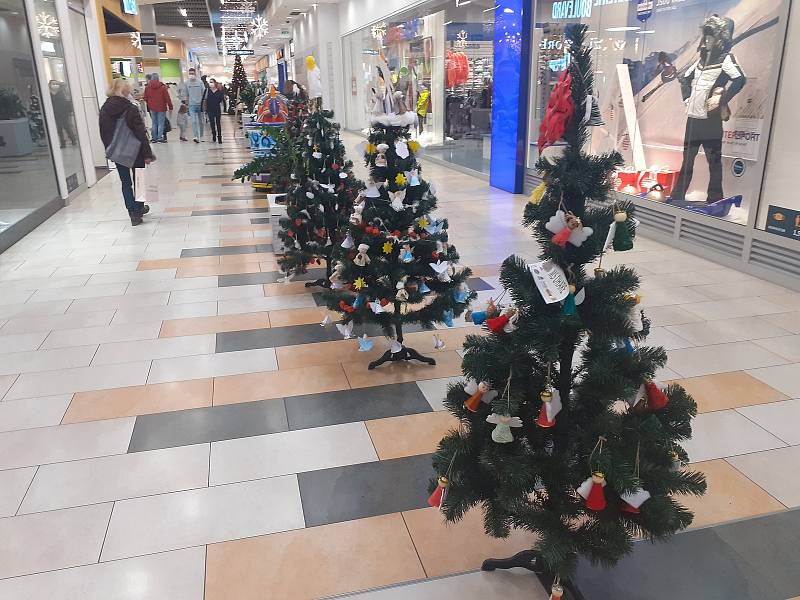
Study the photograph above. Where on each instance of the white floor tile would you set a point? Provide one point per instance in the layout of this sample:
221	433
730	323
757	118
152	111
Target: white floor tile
739	289
102	335
33	412
786	346
662	336
290	452
785	378
114	267
46	360
21	342
168	285
204	516
15	296
52	540
661	316
57	322
775	471
131	276
82	379
727	330
158	348
34	309
781	419
735	307
721	358
6	381
96	480
232	307
726	433
85	291
138	301
213	294
178	575
213	365
13	485
44	283
670	296
788	299
435	390
130	316
788	320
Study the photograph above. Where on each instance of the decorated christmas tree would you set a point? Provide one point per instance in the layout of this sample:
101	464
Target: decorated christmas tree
238	80
278	160
319	206
563	430
395	266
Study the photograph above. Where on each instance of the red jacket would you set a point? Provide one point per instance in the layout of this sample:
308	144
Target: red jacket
157	97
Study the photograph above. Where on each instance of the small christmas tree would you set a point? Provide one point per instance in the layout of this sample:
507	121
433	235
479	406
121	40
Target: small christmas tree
238	81
563	431
395	266
319	207
278	161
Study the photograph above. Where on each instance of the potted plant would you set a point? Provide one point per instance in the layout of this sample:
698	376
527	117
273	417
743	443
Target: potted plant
15	135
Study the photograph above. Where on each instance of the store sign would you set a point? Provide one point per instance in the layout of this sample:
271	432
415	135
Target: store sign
579	9
148	39
162	47
783	221
741	137
243	52
644	10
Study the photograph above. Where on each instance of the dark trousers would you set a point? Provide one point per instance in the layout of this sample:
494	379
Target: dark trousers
708	134
126	176
216	126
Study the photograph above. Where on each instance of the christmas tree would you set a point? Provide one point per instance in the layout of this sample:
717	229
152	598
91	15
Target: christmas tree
395	266
278	161
563	431
238	81
319	207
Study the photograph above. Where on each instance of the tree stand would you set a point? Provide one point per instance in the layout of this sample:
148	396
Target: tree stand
405	353
530	560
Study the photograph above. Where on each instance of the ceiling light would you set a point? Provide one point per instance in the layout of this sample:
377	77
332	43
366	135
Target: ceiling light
648	31
182	11
615	29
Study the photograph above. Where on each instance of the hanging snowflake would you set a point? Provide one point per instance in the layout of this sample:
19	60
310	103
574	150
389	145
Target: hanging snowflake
259	27
461	39
47	25
136	40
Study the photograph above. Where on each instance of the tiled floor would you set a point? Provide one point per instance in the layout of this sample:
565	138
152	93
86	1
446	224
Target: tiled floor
176	424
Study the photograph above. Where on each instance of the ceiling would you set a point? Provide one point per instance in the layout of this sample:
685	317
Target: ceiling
167	13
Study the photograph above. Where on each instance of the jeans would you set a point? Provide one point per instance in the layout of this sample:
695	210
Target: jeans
159	120
196	114
216	127
126	176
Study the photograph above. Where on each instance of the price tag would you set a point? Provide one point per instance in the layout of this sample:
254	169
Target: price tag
550	280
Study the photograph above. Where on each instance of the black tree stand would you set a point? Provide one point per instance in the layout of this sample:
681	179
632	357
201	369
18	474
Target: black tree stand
530	560
405	353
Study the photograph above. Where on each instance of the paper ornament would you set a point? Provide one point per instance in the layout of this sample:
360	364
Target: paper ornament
359	284
551	406
364	344
376	307
434	227
317	155
550	280
592	491
438	343
406	254
348	242
503	424
362	259
538	193
396	200
413	177
423	288
447	317
372	190
567	228
461	295
401	149
346	330
631	501
441	268
437	497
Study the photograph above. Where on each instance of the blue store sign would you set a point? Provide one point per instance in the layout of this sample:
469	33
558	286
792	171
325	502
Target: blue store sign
644	10
783	221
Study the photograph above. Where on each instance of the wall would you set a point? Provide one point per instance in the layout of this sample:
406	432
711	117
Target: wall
355	14
115	8
119	46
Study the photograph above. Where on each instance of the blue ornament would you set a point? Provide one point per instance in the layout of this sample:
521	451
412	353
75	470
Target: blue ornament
629	347
406	256
568	308
433	227
460	296
359	301
364	344
447	317
479	317
424	289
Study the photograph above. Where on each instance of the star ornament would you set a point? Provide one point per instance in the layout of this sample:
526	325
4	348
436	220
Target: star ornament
388	247
423	222
359	283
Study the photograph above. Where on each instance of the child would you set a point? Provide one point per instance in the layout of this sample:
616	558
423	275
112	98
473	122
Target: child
183	119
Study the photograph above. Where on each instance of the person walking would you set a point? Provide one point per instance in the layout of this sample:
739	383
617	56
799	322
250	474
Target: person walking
156	95
193	91
116	107
183	120
214	101
62	108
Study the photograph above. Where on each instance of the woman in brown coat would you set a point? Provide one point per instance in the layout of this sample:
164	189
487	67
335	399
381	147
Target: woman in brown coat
116	106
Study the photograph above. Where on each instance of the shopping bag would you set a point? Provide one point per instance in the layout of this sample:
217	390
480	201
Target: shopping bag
151	182
139	185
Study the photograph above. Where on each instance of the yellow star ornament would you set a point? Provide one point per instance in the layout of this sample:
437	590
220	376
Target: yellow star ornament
371	149
387	247
423	222
359	283
400	179
413	146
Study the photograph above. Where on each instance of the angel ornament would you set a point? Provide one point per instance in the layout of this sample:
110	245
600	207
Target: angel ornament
402	292
355	218
503	424
406	254
397	200
567	228
336	276
362	259
442	270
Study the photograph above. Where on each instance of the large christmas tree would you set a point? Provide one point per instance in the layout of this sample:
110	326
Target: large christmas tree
563	430
395	266
319	207
238	81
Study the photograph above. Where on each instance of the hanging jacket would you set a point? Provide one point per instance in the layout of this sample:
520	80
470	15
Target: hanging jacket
156	96
424	103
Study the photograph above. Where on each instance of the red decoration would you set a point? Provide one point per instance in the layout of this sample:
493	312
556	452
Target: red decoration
542	420
384	301
473	402
596	500
298	222
396	233
656	399
560	109
346	307
290	233
335	167
497	323
560	239
435	499
627	508
435	254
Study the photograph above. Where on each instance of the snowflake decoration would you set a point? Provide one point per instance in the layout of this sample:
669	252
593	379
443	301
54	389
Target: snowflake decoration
461	39
136	40
259	27
47	25
379	31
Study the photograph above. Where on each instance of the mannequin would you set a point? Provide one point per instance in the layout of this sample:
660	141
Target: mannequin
707	87
314	83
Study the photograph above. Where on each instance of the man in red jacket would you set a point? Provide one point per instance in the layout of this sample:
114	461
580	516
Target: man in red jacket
156	96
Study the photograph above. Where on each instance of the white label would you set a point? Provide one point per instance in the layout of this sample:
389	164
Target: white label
550	280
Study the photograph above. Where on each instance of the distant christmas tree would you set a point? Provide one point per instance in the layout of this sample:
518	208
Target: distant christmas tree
395	266
563	431
319	207
238	81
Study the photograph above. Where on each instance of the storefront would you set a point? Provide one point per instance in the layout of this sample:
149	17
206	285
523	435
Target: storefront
686	91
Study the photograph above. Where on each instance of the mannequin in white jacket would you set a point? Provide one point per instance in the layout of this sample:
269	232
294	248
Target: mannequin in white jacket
314	83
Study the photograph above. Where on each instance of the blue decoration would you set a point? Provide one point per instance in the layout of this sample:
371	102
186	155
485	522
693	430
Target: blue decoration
447	317
359	301
512	36
423	288
434	227
629	347
365	344
460	296
406	256
479	317
568	308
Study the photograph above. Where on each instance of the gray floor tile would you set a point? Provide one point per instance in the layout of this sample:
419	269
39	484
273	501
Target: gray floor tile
228	211
365	490
476	284
266	277
275	337
349	406
260	221
226	250
217	176
210	424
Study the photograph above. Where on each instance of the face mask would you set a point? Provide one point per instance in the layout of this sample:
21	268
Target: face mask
192	77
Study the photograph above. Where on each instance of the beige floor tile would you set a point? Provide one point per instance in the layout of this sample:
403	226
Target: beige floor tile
454	548
278	384
347	557
172	263
448	364
217	324
286	289
730	496
775	471
258	227
728	390
299	316
485	270
248	259
267	266
228	269
408	435
139	400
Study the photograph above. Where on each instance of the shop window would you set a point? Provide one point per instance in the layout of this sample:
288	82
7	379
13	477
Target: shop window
685	90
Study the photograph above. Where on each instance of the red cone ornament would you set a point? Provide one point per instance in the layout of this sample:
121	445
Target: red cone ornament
551	406
656	399
592	491
631	502
435	499
497	323
473	402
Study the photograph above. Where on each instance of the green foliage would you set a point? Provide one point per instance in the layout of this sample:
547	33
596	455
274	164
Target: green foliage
388	233
280	164
10	105
531	483
248	96
319	209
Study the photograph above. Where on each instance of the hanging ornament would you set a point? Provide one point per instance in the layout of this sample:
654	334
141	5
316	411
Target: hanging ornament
402	292
538	193
362	259
396	200
376	307
441	268
551	406
438	343
401	149
631	501
423	222
635	314
657	193
503	424
656	398
317	155
474	401
355	218
433	227
336	275
360	299
359	284
326	321
567	228
400	179
437	497
568	306
346	330
364	344
592	491
345	307
622	233
461	295
556	592
388	247
380	160
447	317
407	254
372	190
413	177
505	322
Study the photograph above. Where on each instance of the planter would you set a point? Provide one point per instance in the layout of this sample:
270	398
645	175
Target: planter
15	137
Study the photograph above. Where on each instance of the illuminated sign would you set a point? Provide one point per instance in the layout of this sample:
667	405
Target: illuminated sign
129	7
579	9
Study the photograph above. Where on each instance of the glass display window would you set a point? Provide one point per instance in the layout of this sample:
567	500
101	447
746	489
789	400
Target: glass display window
440	56
685	89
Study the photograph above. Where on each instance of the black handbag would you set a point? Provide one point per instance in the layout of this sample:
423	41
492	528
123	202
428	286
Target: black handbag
167	125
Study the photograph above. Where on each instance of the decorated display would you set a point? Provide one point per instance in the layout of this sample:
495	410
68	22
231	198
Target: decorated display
564	431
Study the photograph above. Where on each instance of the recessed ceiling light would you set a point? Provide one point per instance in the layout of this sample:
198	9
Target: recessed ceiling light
648	31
